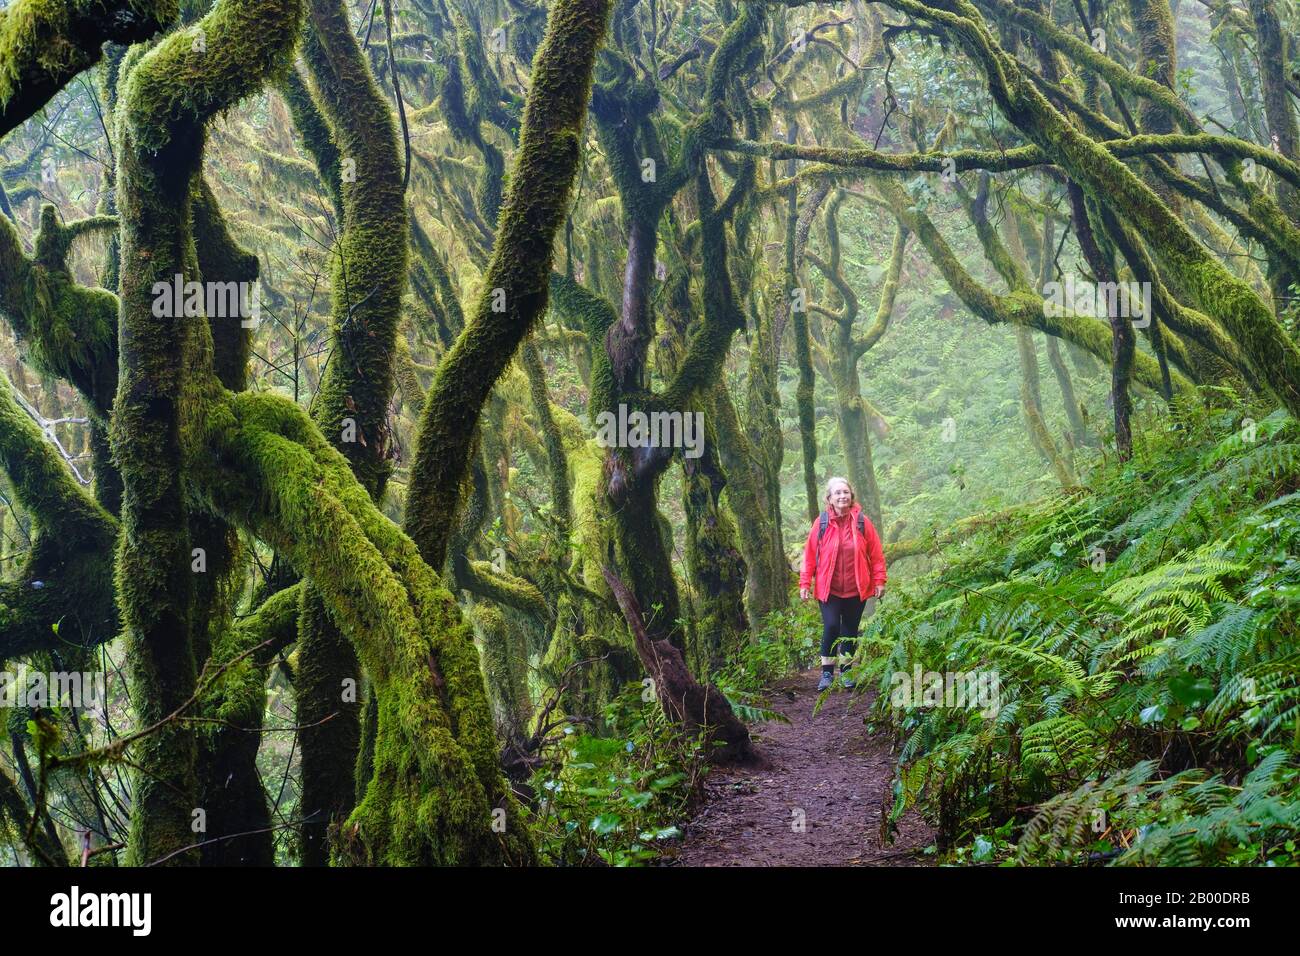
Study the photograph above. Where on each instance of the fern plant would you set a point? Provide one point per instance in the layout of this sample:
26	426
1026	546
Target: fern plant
1144	635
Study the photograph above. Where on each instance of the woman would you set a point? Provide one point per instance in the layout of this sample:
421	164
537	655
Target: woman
845	566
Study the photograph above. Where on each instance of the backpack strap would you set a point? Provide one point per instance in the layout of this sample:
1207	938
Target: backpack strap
862	530
822	521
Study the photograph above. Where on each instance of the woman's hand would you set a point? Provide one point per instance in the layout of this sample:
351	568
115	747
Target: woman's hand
803	594
880	590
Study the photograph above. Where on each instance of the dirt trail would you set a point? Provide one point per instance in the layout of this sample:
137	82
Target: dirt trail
829	768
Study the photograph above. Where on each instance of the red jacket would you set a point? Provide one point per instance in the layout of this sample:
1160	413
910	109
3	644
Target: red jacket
870	568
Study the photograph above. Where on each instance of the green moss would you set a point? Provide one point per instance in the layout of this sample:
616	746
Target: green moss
1020	307
367	282
167	95
479	577
1153	22
505	669
535	206
552	439
464	118
1192	325
232	706
314	134
432	286
67	580
1211	286
44	44
69	329
716	566
221	259
436	775
327	689
368	272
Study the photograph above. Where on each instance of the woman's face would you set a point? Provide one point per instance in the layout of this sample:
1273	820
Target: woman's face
841	497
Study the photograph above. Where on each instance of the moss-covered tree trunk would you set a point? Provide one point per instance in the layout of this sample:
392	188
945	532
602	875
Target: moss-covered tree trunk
1122	340
517	281
1279	110
238	814
634	473
167	96
1079	436
1031	405
155	583
855	418
590	656
505	669
697	707
557	461
46	44
796	240
753	493
367	280
1021	306
256	461
71	553
1015	271
716	565
230	785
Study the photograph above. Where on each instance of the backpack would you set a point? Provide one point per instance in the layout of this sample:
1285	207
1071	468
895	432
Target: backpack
823	521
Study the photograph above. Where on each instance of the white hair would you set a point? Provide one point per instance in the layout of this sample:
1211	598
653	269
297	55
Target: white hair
830	484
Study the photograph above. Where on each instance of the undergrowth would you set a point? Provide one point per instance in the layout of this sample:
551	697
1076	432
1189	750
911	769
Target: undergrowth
787	641
1139	640
620	798
617	799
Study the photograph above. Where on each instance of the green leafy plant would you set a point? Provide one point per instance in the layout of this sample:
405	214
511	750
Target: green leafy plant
1143	634
619	799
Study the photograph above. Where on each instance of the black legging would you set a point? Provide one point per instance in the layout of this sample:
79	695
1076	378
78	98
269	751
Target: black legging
840	619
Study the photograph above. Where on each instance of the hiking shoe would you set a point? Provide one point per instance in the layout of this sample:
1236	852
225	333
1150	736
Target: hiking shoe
825	682
846	680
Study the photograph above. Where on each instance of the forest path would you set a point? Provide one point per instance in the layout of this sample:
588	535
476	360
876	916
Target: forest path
826	766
